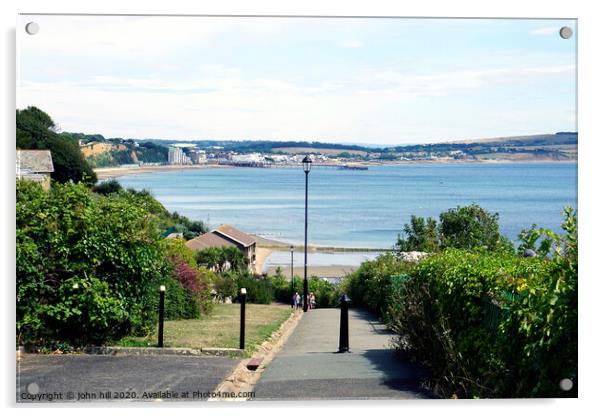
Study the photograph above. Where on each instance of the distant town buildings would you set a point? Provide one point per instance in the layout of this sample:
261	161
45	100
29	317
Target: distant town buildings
35	165
198	157
176	156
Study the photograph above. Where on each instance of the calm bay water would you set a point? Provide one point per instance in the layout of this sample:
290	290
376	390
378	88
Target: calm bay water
363	208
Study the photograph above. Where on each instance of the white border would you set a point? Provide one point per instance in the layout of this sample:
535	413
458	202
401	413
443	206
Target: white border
590	135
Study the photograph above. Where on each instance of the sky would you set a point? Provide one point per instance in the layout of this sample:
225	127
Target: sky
348	80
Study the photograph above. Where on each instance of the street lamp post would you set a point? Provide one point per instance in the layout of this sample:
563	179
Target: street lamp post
306	169
292	279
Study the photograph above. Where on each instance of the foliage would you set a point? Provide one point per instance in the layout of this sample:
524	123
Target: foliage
222	259
226	286
108	246
469	227
258	290
326	293
492	324
421	235
36	130
370	284
107	187
530	237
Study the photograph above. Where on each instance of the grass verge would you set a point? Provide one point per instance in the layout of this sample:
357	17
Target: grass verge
219	330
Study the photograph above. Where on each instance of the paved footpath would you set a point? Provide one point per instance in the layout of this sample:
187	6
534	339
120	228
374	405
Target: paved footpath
102	378
308	366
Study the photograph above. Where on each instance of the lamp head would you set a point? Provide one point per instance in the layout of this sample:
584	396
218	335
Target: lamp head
162	288
292	248
306	164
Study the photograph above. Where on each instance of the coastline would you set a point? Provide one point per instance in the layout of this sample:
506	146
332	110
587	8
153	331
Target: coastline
113	172
331	269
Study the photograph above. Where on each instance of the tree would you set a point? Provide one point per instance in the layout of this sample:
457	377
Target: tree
222	259
88	266
469	227
36	130
107	187
421	235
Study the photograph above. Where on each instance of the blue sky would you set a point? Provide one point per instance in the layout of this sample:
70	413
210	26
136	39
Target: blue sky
380	81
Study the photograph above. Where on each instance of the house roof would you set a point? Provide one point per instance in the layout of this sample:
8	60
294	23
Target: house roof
209	240
234	234
223	236
34	161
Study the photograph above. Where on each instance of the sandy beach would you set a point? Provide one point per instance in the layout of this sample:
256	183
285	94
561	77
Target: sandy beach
267	247
107	173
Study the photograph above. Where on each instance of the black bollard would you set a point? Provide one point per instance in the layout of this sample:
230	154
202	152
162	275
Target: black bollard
344	333
161	314
243	301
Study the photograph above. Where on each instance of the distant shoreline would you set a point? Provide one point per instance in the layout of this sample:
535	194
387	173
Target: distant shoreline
113	172
108	173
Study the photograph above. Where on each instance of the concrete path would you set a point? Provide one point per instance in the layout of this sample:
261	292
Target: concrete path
102	378
308	366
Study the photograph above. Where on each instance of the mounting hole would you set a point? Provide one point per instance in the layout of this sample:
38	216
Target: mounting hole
33	388
32	28
566	384
566	32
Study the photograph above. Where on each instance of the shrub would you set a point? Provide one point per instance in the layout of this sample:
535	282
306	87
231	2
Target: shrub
108	245
492	324
369	285
107	187
222	259
258	290
469	227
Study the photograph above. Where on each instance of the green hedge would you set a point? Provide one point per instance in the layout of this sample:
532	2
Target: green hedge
486	324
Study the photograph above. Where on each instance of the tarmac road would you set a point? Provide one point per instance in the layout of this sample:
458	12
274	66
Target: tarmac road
101	378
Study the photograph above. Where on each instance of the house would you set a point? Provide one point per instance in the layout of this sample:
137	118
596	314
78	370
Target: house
227	236
35	165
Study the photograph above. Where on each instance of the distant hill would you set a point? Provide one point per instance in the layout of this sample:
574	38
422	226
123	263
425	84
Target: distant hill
102	152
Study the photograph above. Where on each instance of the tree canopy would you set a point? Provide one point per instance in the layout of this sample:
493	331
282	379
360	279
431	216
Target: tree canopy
37	130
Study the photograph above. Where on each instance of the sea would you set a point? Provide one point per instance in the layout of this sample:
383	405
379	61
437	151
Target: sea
363	208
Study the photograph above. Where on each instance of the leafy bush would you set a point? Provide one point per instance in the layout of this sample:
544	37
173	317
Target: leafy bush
469	227
258	290
107	187
492	324
370	284
109	246
421	235
327	294
222	259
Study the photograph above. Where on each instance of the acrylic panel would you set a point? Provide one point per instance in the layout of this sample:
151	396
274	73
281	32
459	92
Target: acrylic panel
295	208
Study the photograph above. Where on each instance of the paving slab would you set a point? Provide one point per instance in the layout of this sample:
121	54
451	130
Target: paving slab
84	378
309	367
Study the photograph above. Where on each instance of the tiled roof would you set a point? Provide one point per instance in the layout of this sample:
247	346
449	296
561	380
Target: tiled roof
209	240
228	231
34	161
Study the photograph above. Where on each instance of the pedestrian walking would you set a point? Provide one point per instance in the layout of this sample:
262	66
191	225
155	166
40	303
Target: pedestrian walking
312	300
297	300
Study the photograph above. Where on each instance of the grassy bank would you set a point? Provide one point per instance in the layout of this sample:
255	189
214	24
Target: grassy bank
221	329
